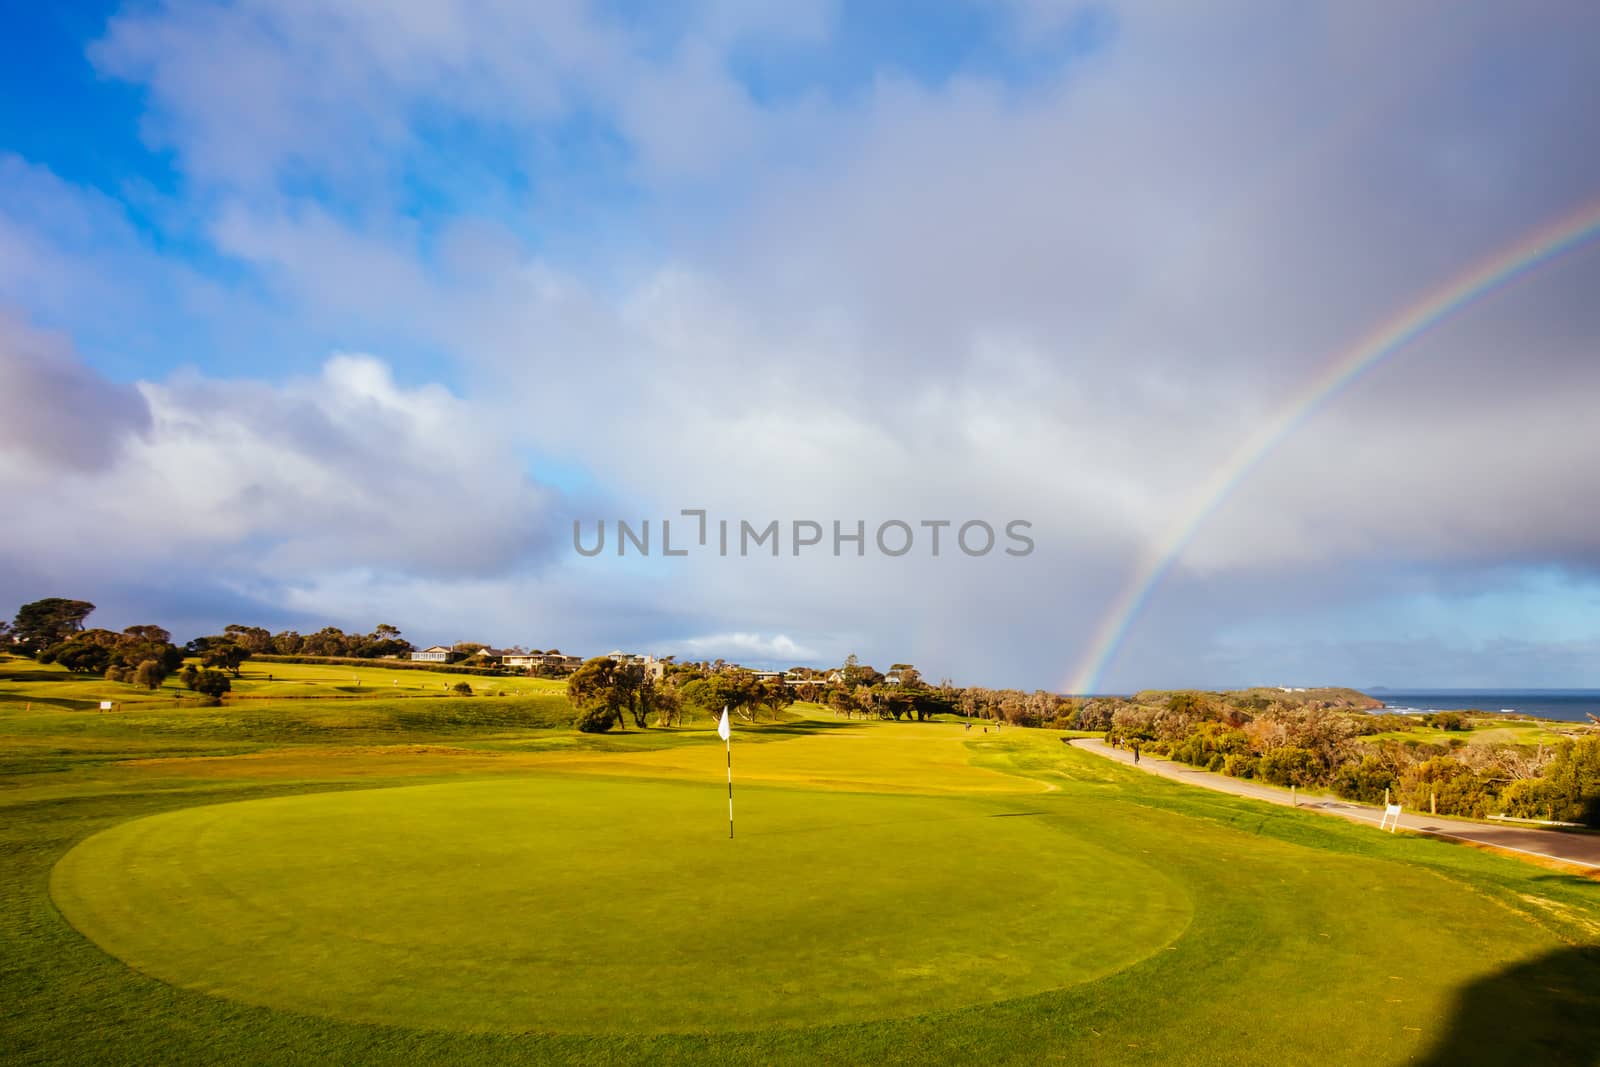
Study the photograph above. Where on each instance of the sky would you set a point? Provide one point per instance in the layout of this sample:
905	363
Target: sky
345	312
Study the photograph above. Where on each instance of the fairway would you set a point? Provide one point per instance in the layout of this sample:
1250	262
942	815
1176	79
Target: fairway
519	905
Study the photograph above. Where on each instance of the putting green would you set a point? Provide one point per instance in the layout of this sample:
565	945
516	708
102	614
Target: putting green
579	905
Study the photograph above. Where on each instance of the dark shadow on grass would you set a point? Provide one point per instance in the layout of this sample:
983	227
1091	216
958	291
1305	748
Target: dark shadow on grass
1016	814
1545	1011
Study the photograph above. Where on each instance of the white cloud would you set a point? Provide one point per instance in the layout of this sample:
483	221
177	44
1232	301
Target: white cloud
277	483
738	646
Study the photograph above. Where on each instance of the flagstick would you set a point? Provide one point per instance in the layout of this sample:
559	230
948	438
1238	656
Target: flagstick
730	788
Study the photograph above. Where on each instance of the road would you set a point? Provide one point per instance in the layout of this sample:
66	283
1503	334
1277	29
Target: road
1578	849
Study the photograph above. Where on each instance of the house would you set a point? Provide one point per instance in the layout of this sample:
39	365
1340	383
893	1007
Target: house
491	655
532	661
436	654
655	669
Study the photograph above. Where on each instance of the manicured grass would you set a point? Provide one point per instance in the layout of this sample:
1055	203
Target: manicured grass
50	687
522	905
898	893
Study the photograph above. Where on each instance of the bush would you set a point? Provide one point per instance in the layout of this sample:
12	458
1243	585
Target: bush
597	719
1209	745
1239	765
1572	782
1288	765
1458	789
1365	781
461	689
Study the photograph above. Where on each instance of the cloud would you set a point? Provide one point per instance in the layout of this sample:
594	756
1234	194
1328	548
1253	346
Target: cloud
57	415
269	486
739	647
1066	298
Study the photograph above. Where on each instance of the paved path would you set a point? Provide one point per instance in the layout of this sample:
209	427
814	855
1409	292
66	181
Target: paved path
1581	850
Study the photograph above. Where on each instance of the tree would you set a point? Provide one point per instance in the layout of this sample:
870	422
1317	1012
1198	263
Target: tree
253	638
225	654
149	674
663	701
79	655
599	692
461	689
211	684
139	643
49	622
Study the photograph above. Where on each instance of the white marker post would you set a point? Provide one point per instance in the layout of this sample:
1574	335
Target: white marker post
725	731
1390	812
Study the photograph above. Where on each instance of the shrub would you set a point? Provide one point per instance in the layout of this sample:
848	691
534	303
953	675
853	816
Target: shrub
1209	744
117	674
461	689
1365	781
1572	782
1239	765
1288	765
597	719
1458	789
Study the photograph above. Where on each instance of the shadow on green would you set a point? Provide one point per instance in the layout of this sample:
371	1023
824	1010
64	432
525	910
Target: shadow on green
1545	1011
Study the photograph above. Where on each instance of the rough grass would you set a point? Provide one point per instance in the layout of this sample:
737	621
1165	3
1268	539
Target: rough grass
1309	940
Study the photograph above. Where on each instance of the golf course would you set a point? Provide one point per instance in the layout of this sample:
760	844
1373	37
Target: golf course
346	864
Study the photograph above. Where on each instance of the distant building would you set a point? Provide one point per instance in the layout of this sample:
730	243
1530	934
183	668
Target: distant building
436	654
654	669
533	661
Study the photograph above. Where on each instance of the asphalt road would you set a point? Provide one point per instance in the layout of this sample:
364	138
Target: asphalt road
1579	849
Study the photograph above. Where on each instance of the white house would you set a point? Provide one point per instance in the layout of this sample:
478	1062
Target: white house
436	654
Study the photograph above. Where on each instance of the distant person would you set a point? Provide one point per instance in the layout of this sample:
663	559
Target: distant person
1135	746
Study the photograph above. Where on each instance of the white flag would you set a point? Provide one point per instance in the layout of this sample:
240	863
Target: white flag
723	730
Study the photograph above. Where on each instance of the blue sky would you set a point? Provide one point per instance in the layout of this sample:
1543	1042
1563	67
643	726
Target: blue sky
327	313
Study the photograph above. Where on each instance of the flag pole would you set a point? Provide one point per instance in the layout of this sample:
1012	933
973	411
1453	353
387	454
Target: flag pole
725	731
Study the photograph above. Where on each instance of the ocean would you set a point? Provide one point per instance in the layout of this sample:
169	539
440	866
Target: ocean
1565	704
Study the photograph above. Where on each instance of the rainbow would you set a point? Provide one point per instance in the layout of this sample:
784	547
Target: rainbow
1390	337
